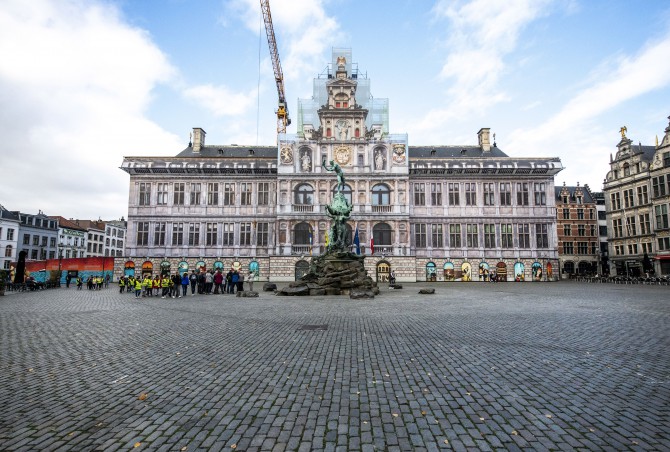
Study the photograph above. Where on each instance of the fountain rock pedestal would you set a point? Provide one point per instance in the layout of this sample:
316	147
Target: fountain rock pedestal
335	273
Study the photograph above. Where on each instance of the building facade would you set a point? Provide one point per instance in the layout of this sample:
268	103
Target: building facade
115	236
437	213
577	229
38	236
9	237
71	238
601	209
637	194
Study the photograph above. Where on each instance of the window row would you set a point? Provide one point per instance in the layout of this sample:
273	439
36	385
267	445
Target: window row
478	235
196	234
491	193
580	214
198	193
581	247
583	230
38	240
633	249
640	224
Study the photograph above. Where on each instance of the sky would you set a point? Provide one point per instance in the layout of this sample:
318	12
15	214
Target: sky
84	83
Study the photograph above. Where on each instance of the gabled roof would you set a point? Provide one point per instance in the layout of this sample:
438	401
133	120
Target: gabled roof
588	199
70	224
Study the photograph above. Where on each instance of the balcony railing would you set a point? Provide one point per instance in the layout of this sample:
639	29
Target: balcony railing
382	209
303	208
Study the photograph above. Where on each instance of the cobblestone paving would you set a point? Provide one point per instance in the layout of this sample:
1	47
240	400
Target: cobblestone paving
476	366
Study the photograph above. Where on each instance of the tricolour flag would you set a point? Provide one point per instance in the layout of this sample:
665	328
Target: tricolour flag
357	242
327	239
372	245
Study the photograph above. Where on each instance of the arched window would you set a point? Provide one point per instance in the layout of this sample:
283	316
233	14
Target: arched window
346	192
8	251
301	269
329	132
304	194
341	100
381	195
357	132
302	233
568	267
107	241
382	234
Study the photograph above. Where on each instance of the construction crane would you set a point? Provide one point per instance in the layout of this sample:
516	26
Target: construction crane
283	119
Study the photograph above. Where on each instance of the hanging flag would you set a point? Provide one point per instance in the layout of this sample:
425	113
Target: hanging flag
310	243
372	245
327	239
357	242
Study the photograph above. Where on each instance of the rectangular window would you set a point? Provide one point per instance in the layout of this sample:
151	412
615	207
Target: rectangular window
262	234
642	195
505	194
542	235
454	194
245	233
436	194
582	247
228	194
159	233
472	235
631	230
522	194
52	242
228	234
145	194
568	248
437	236
524	235
506	239
489	194
194	234
489	236
658	186
581	230
178	194
264	194
419	234
162	194
470	194
661	216
645	224
593	230
26	239
142	233
617	225
196	188
212	193
245	193
664	243
44	240
615	199
33	254
540	194
632	249
36	240
566	214
455	235
177	234
567	230
419	195
580	214
212	235
628	198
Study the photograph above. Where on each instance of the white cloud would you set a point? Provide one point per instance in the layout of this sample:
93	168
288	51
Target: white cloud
571	132
220	100
75	81
481	33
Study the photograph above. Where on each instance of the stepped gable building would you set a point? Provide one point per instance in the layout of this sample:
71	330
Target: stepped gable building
637	193
577	229
438	213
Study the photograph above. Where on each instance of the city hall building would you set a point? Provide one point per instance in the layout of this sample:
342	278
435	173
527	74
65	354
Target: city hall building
429	213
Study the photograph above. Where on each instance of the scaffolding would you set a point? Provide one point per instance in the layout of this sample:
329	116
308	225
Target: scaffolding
378	108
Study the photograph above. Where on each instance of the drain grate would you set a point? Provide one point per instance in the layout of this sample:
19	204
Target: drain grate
313	328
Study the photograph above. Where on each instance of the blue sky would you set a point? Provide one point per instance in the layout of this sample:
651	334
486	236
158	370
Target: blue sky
84	83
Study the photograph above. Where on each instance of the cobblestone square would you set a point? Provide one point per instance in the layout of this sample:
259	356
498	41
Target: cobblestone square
507	366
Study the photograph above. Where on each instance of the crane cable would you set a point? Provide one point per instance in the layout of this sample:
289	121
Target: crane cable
258	87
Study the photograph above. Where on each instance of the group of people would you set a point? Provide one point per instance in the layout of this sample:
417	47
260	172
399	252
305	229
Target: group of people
176	286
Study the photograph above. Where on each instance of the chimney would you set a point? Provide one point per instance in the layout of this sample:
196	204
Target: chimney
484	140
198	139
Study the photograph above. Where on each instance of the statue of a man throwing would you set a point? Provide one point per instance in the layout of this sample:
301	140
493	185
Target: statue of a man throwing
340	176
